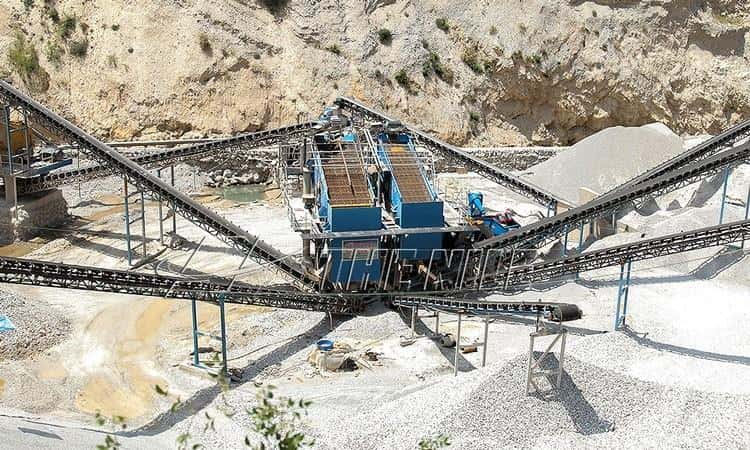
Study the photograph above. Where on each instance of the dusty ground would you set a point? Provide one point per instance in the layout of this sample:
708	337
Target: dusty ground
686	332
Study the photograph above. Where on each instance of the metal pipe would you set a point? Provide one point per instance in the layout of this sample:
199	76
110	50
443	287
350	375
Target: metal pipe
458	347
562	358
127	224
486	335
222	321
413	320
437	322
724	195
194	310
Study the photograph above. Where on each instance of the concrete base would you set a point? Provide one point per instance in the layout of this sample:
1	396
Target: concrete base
35	213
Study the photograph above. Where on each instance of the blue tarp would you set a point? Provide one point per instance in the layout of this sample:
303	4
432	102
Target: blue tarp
6	324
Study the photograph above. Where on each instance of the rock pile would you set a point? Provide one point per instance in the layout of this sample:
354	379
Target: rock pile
595	407
241	168
38	327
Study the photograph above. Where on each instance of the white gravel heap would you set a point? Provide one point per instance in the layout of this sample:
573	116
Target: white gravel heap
595	408
38	327
606	159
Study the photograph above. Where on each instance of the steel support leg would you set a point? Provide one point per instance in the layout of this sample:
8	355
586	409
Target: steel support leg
623	289
437	322
565	243
194	310
486	335
143	222
458	347
724	195
127	224
413	320
222	321
580	238
747	210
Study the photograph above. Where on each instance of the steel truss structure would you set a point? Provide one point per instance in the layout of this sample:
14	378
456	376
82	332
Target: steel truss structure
478	165
247	141
37	273
614	256
553	227
199	215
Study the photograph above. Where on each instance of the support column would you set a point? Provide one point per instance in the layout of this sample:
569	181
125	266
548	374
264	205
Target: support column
437	322
747	210
623	289
222	321
486	335
127	223
413	320
724	195
458	347
565	243
194	310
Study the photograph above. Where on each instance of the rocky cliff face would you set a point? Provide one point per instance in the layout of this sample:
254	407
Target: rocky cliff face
481	72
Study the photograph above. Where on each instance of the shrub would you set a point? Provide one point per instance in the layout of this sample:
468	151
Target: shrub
471	59
385	36
52	13
115	26
79	48
334	48
28	4
474	117
425	44
434	65
112	61
53	52
23	57
66	26
443	24
204	43
274	6
493	29
402	78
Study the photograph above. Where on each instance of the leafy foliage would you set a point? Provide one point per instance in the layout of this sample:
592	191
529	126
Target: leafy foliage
23	56
385	36
276	421
78	47
434	443
443	24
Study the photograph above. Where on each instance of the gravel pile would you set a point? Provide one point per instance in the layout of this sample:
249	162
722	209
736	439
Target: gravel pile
606	159
38	327
595	408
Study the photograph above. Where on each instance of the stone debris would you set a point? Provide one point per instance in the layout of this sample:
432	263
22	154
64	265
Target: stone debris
38	327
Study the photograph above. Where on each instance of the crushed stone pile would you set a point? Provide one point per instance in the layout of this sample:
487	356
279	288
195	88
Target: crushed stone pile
38	327
595	408
606	159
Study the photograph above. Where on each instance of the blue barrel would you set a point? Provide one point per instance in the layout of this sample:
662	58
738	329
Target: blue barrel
325	345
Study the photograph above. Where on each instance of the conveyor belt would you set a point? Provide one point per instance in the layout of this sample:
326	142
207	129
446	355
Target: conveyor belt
555	226
721	141
162	157
556	311
651	248
37	273
199	215
478	165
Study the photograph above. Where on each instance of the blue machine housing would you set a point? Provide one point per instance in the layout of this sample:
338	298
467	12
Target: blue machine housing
351	259
494	223
427	213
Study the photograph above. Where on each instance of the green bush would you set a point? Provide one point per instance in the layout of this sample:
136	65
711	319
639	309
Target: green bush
443	24
23	57
78	48
115	26
53	52
334	48
402	78
474	117
493	30
66	26
471	59
434	65
28	4
112	61
275	6
52	13
385	36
